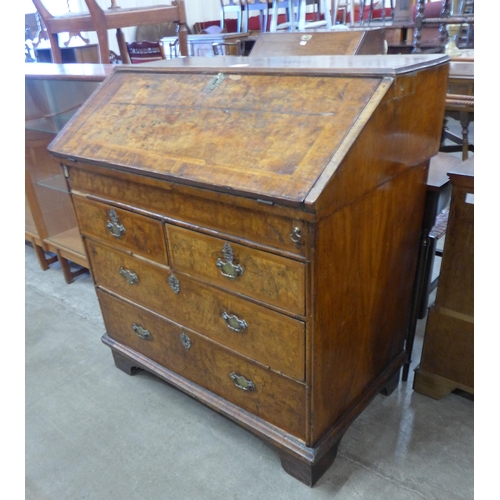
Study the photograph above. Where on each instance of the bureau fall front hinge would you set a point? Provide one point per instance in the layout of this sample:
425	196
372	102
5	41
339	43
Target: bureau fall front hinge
65	171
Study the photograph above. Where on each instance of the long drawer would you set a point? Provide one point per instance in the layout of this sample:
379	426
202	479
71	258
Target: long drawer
271	338
263	276
275	398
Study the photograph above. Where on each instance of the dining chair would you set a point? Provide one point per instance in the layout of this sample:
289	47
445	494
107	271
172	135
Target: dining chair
145	51
375	5
323	6
227	48
100	21
231	7
292	13
262	7
347	7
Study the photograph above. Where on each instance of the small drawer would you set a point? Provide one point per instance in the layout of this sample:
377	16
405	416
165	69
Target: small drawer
264	276
127	230
257	332
270	396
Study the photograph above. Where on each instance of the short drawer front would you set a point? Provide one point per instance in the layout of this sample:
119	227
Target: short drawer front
270	396
133	232
285	233
270	338
263	276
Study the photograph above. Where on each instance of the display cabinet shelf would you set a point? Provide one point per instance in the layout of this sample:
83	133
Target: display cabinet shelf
53	94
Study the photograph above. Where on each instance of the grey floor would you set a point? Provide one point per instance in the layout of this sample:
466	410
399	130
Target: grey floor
93	432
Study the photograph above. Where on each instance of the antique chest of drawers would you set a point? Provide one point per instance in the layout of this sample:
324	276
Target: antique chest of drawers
252	231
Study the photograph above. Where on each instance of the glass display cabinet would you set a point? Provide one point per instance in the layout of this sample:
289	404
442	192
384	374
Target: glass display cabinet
53	94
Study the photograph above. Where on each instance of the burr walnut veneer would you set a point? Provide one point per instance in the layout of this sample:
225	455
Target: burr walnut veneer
252	230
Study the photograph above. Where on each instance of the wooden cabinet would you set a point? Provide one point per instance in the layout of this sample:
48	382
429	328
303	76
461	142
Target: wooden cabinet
53	95
252	231
448	352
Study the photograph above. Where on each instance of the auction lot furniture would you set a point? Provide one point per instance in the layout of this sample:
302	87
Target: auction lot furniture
251	230
318	43
448	352
53	94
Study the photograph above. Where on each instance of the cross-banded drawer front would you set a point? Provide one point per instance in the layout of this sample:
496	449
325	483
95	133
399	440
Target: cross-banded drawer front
283	232
133	232
268	395
269	337
264	276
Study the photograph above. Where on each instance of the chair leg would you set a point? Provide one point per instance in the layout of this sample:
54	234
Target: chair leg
54	48
102	40
122	45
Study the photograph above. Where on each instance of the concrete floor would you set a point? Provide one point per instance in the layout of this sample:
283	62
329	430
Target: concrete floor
93	432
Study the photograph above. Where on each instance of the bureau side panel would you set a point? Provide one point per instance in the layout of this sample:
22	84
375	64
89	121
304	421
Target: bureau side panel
403	130
365	258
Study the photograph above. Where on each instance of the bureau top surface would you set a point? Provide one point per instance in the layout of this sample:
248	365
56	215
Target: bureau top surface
266	130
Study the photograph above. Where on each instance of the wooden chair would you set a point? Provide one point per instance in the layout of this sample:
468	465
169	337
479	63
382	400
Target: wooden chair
227	48
424	18
322	6
262	7
229	7
292	11
375	3
346	6
100	21
145	51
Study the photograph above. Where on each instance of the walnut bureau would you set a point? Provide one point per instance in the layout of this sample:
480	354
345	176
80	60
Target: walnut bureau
319	42
252	230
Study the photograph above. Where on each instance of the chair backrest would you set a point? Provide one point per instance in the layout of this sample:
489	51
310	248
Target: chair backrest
145	51
435	16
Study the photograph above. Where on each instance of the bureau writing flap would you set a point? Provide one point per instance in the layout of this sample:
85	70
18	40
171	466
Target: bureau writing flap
264	134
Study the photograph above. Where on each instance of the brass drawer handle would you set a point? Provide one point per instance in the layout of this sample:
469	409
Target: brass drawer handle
234	323
242	383
130	276
141	332
228	265
113	224
296	235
